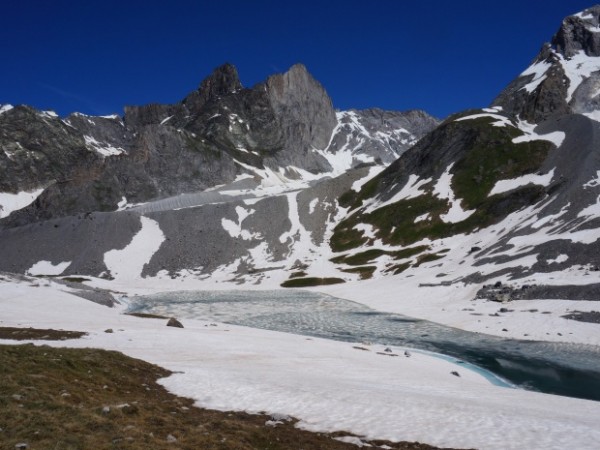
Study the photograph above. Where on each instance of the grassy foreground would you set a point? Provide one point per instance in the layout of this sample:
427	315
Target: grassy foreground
96	399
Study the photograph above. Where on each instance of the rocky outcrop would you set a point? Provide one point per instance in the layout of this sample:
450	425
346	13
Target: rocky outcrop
216	133
302	106
557	83
579	33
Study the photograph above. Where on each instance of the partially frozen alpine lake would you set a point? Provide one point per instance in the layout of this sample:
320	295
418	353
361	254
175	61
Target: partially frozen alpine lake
558	368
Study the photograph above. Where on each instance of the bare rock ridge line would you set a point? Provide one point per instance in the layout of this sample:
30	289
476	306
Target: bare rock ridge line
215	134
270	185
544	91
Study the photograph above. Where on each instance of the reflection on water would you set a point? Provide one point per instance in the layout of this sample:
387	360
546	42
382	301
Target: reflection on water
564	369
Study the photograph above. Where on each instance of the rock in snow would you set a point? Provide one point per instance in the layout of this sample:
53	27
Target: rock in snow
173	322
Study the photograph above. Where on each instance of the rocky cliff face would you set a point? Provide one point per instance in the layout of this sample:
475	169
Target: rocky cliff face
271	186
563	77
219	132
509	192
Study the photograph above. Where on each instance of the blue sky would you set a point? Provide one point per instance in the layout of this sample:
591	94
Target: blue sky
440	56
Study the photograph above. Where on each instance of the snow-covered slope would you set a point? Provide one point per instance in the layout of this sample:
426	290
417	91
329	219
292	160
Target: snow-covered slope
329	386
506	194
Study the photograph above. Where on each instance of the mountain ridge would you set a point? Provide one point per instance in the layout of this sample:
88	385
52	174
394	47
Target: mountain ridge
290	192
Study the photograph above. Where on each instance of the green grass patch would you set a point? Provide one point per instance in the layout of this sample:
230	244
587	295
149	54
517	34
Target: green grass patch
298	274
491	157
75	279
428	257
487	155
26	334
367	256
365	272
397	268
310	281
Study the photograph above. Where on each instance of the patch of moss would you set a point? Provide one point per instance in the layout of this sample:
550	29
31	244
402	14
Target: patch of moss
311	281
493	157
25	334
345	237
75	279
398	268
428	257
367	256
365	272
297	274
488	156
60	398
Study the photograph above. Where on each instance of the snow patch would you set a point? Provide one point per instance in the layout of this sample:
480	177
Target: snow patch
559	259
556	137
594	182
47	268
5	108
104	149
411	189
235	230
128	263
578	68
501	121
443	190
49	114
373	171
422	218
13	202
515	183
538	70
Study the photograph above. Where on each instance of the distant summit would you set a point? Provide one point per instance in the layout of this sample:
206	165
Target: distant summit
564	77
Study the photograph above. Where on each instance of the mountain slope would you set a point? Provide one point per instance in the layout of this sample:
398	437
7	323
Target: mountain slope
508	193
232	181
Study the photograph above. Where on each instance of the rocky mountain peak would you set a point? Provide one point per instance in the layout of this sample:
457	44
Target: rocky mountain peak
565	75
222	81
303	106
579	32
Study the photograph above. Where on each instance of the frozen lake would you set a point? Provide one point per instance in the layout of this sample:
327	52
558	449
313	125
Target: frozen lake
564	369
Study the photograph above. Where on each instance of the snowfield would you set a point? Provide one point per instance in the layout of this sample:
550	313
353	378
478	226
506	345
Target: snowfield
328	385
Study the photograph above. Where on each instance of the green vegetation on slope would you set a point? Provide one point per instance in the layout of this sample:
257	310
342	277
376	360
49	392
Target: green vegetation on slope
487	155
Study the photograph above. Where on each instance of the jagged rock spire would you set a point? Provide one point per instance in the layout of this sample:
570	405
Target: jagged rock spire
579	32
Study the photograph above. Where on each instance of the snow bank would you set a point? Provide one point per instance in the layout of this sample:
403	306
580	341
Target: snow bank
514	183
47	268
13	202
443	190
128	263
4	108
327	385
104	149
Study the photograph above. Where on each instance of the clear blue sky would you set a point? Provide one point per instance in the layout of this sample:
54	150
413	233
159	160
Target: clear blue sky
440	56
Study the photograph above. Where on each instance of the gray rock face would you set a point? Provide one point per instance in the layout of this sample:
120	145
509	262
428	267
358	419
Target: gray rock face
216	133
377	135
305	115
577	34
173	322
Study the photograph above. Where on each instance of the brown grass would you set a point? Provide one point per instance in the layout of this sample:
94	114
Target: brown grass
26	334
96	399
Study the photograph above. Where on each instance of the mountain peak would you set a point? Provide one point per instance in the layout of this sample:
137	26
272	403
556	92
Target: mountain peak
579	32
223	80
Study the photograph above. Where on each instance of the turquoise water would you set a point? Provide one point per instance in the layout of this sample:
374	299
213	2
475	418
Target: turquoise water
563	369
